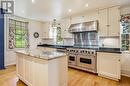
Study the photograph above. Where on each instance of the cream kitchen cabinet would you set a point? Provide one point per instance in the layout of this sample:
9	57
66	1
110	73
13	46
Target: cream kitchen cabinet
65	24
24	68
109	24
46	70
46	30
89	16
28	69
108	65
20	66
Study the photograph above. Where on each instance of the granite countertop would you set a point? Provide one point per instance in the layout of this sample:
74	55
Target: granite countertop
37	53
109	50
98	49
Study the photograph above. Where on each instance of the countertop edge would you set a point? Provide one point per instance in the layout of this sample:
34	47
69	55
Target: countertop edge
38	57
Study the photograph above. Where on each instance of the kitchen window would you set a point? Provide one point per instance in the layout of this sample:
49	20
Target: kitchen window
125	32
56	34
59	39
18	34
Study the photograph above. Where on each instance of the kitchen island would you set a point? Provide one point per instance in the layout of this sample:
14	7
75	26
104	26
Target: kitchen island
40	68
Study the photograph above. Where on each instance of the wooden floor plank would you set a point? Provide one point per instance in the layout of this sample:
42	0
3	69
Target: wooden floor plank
75	78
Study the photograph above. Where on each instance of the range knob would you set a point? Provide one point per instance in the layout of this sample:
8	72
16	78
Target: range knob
81	51
86	51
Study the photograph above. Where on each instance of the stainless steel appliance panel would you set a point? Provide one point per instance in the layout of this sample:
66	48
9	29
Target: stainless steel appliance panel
86	61
86	38
72	59
83	27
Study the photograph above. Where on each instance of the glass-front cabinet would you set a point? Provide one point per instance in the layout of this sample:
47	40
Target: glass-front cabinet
125	32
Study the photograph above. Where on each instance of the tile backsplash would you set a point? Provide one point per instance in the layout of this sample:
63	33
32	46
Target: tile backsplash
113	42
66	41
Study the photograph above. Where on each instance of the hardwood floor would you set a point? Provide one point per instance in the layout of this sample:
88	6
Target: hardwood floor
76	78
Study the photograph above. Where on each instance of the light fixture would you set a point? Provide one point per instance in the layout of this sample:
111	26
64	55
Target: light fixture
86	5
33	1
54	23
70	10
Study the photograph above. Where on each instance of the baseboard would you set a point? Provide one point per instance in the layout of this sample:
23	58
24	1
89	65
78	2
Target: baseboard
109	76
10	64
125	73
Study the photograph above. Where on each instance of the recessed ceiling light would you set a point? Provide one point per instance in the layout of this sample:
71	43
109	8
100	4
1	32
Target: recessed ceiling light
33	1
86	5
69	10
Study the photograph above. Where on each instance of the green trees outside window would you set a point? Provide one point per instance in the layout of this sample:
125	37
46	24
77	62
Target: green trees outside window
18	34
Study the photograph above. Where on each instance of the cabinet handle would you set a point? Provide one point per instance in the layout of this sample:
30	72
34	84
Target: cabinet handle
119	60
108	25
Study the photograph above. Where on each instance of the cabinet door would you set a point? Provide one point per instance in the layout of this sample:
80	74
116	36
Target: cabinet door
103	22
65	24
114	24
78	19
46	30
108	65
20	66
40	72
29	69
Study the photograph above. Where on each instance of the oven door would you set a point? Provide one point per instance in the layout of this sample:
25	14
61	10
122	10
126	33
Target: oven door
72	60
88	62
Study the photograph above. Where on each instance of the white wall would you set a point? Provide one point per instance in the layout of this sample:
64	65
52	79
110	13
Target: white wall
34	26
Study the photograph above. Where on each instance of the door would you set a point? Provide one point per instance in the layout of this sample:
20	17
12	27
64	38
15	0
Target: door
72	59
86	61
1	41
108	65
46	30
103	22
28	69
114	23
65	24
20	65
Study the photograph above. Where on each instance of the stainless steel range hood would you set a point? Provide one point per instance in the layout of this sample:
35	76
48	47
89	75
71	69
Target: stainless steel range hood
83	27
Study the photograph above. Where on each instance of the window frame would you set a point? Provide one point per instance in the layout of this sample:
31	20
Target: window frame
23	28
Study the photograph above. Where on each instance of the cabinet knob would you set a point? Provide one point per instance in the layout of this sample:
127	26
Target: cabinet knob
108	25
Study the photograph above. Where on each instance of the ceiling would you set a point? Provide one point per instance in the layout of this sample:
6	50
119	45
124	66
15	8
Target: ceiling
49	9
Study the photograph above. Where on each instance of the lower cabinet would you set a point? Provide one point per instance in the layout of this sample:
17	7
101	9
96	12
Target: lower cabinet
38	72
108	65
28	69
20	66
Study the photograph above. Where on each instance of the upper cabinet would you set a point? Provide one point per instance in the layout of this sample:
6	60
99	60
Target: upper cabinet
109	24
46	30
49	32
65	24
89	16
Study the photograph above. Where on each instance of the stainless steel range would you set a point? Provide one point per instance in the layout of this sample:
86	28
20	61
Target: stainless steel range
84	59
